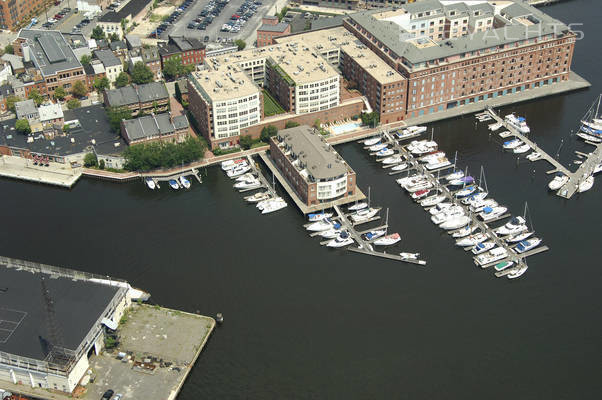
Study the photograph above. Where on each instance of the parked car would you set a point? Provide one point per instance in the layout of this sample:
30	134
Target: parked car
206	39
108	394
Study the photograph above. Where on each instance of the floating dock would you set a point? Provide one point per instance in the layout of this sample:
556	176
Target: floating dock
475	221
166	178
575	178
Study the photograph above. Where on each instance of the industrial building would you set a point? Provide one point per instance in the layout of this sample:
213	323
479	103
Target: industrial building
47	335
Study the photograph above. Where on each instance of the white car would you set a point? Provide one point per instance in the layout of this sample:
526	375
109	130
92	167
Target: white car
52	20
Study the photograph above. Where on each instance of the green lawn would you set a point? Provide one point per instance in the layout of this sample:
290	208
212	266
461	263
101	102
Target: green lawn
270	105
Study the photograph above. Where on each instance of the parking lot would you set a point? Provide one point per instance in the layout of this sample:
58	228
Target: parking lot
179	27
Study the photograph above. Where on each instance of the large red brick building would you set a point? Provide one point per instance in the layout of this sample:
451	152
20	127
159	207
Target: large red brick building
15	13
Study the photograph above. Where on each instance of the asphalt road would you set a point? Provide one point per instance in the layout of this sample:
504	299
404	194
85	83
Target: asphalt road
213	31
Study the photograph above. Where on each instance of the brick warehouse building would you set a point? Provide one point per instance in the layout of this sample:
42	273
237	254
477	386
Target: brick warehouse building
524	49
15	13
311	165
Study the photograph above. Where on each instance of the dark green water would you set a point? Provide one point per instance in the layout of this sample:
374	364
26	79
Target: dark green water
305	322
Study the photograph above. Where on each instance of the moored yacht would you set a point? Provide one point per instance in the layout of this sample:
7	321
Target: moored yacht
399	167
396	159
467	191
377	147
228	165
455	222
518	272
526	245
440	207
432	200
464	180
519	123
364	214
491	256
332	233
534	156
559	180
318	216
238	170
503	265
385	152
586	184
515	225
184	182
357	206
372	141
372	235
519	237
257	197
440	163
482	247
388	240
512	144
150	183
477	207
320	225
273	205
246	184
490	213
344	239
454	175
472	240
447	214
174	184
522	149
465	231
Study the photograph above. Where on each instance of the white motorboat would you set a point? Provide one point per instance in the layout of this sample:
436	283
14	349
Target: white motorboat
441	163
465	231
505	134
372	235
586	184
238	170
597	168
519	123
515	225
447	214
559	181
341	241
385	152
243	177
465	180
420	150
420	194
174	184
482	247
432	157
419	186
321	225
318	216
522	149
332	233
490	213
479	206
414	130
388	240
275	205
440	207
264	203
526	245
518	272
432	200
495	126
534	156
491	256
364	214
396	159
454	175
184	182
399	167
519	237
257	197
455	222
410	180
377	147
475	198
230	164
589	138
409	256
512	144
358	206
252	183
150	183
372	141
472	240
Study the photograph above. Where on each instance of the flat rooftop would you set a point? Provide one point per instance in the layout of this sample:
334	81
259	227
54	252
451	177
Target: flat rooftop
224	83
321	40
77	305
50	51
371	63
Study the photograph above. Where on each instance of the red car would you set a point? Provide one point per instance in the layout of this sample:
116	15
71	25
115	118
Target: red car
58	16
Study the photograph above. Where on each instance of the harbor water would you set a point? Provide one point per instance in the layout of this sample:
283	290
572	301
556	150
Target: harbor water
305	322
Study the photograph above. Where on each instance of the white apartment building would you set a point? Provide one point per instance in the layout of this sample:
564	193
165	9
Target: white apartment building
317	96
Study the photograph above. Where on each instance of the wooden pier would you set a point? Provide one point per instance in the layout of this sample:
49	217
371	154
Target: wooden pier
364	246
166	178
475	221
575	178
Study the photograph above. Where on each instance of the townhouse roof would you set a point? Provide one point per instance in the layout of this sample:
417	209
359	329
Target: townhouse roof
279	27
118	45
25	107
107	58
178	44
133	94
16	62
153	125
49	51
50	111
133	41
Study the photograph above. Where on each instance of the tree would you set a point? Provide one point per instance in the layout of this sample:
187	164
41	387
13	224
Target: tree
22	126
317	124
240	43
98	33
36	96
85	59
10	102
90	160
122	80
79	89
59	93
113	37
141	73
267	132
101	84
291	124
171	67
101	164
246	141
9	49
370	119
116	115
73	103
147	156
